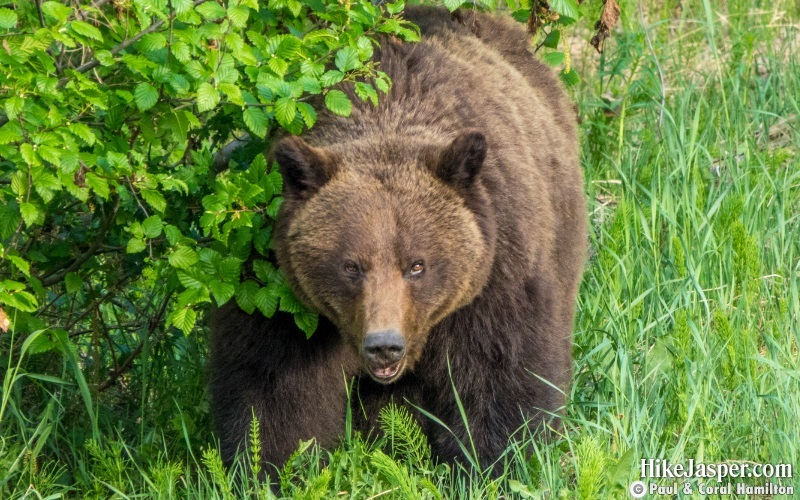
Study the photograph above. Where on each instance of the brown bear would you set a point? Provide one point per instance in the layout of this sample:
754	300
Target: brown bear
440	235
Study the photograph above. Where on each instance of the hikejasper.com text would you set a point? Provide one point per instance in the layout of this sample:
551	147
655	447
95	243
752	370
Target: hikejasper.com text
654	468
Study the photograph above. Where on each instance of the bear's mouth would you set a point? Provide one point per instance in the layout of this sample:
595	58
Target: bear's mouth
388	373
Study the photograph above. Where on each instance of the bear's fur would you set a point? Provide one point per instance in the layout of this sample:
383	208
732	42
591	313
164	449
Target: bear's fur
452	213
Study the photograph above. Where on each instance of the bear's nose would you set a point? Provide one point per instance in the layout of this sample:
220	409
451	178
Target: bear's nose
385	347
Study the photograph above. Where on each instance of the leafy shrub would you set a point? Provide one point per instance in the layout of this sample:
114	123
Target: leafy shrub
114	115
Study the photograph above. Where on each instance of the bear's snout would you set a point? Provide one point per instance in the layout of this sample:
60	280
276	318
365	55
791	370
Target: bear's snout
384	353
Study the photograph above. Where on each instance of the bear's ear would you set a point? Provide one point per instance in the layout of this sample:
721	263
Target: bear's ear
461	161
305	169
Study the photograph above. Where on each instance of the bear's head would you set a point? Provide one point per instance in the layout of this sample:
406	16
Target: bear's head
385	242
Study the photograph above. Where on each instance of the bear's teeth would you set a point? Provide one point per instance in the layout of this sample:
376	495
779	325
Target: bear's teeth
387	372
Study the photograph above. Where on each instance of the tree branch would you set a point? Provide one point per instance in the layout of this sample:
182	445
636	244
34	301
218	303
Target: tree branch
57	275
116	50
126	365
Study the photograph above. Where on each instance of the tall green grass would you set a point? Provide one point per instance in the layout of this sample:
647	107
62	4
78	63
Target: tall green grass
687	336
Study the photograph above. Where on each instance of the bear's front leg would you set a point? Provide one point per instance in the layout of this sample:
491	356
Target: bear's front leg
492	411
296	387
493	380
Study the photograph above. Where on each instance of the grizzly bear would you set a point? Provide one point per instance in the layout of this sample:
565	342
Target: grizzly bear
441	237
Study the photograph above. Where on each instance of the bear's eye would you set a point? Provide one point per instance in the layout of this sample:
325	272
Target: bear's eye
351	267
417	268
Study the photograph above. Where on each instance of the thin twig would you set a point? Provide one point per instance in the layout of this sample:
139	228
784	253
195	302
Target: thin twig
58	274
41	15
133	190
154	323
113	291
122	46
125	326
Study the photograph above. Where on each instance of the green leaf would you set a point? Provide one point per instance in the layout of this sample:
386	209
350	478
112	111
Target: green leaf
307	321
192	297
279	66
196	70
152	226
85	29
21	264
453	4
172	184
184	319
83	132
266	301
183	257
567	8
152	42
310	68
181	51
396	7
365	48
521	489
553	58
29	154
23	301
310	84
136	230
274	206
347	59
233	92
172	233
366	92
230	268
245	296
521	15
289	302
57	11
294	7
98	184
46	184
31	213
221	291
265	271
552	39
50	155
181	6
19	182
14	105
135	245
190	280
211	11
570	79
285	109
275	182
146	96
11	286
155	199
39	343
207	96
8	18
308	113
331	77
10	132
9	219
256	120
238	16
338	102
73	282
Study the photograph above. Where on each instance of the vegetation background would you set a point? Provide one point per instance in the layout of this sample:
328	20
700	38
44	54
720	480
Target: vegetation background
132	189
